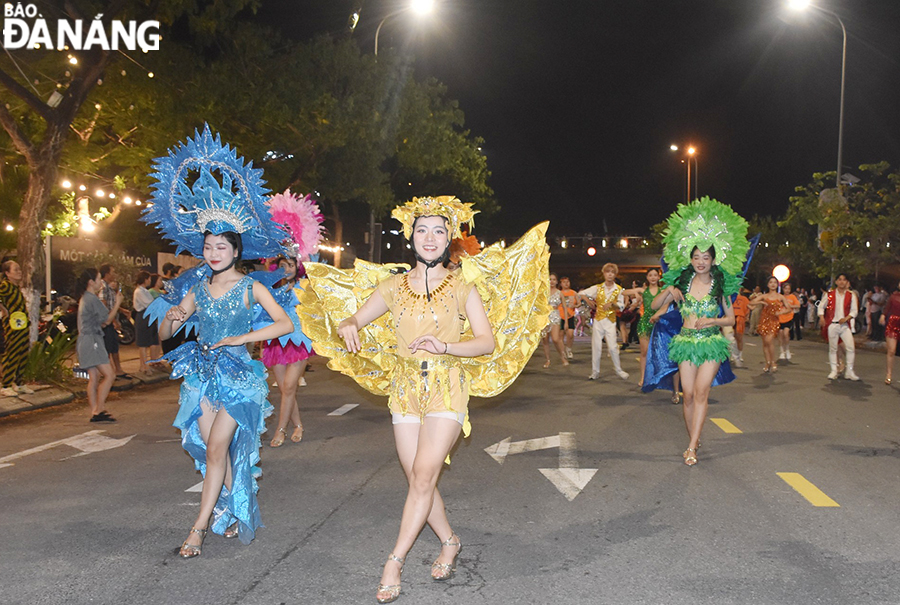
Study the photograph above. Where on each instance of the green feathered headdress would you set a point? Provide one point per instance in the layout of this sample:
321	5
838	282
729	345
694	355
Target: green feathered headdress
706	223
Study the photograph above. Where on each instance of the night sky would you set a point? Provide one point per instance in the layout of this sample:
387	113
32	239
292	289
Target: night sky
579	101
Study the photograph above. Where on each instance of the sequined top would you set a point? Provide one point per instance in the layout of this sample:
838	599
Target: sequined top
227	315
554	301
705	307
414	315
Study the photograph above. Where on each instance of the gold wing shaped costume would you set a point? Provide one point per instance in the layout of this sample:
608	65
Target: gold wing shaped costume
512	283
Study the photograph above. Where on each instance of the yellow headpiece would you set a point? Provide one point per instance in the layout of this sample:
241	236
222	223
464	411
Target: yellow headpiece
456	212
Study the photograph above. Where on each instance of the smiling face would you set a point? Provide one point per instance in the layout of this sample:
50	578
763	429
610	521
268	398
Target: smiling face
553	281
218	252
772	284
702	260
289	265
653	277
842	282
431	238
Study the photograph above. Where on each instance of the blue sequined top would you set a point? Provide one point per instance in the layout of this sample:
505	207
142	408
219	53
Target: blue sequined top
705	307
226	315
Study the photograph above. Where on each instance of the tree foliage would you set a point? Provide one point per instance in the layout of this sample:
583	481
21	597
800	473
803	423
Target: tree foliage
854	234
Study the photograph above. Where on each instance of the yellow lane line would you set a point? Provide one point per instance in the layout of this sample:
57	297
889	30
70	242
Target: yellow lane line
726	426
806	489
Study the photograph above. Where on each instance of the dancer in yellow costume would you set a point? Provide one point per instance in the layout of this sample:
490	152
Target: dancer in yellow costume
450	334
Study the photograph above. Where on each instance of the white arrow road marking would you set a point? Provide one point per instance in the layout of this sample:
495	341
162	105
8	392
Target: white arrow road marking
344	409
568	478
195	488
88	443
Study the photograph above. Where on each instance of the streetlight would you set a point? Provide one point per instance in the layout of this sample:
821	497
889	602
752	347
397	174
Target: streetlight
799	5
691	152
421	7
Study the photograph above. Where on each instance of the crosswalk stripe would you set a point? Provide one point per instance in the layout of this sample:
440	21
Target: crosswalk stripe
806	489
343	409
726	426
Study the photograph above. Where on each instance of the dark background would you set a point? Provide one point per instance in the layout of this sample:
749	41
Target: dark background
579	101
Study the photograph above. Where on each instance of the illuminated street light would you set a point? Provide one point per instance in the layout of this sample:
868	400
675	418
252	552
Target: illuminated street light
781	273
691	152
591	251
420	7
66	184
799	5
9	227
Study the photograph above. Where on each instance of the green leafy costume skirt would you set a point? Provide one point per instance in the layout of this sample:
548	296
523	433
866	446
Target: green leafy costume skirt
699	346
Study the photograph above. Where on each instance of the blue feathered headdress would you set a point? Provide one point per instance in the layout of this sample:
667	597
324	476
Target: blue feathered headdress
236	201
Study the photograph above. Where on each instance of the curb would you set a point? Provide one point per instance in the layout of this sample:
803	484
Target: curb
48	396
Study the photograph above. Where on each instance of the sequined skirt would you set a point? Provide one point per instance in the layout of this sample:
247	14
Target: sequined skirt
420	385
892	327
768	322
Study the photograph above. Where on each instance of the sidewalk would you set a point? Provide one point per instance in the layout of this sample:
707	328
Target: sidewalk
50	395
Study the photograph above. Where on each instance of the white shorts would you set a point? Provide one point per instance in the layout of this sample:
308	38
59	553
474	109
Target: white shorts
412	419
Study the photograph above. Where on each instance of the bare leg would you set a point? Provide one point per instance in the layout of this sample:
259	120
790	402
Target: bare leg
93	381
645	345
697	383
105	385
217	430
435	439
546	342
891	351
144	353
556	337
288	410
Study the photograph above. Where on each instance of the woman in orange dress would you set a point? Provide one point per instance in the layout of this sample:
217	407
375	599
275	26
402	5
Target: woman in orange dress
774	304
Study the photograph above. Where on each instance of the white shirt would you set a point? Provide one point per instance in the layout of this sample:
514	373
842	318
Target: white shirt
141	299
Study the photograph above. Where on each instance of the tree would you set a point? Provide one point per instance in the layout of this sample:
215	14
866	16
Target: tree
39	130
856	233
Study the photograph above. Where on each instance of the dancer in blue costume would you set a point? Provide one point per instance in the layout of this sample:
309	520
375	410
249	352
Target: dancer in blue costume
223	402
705	246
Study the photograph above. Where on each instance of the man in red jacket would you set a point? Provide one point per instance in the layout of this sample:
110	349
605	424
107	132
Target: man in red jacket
838	311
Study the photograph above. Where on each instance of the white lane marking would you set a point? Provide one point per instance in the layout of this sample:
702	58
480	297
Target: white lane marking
88	443
569	479
343	409
195	488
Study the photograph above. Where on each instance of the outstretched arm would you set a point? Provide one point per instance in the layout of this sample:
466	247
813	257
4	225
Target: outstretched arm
371	310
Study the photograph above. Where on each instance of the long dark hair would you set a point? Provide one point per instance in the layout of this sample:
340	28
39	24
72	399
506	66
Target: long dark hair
683	282
81	283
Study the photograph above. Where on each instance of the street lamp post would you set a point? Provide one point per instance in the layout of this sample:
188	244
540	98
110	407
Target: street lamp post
421	7
691	152
799	5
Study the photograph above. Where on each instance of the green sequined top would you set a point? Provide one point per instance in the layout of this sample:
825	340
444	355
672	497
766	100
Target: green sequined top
705	307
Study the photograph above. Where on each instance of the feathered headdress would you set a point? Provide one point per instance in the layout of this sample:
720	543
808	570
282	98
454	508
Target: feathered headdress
303	220
467	245
704	224
447	206
185	209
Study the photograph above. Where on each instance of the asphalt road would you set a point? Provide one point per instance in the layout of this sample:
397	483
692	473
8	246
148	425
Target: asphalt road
86	522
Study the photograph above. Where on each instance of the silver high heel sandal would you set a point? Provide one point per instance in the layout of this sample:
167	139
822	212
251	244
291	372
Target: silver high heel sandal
388	593
441	572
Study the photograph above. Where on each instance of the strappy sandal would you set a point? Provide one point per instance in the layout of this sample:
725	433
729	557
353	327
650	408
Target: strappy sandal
231	532
547	364
297	433
690	456
442	572
388	593
189	551
685	454
278	440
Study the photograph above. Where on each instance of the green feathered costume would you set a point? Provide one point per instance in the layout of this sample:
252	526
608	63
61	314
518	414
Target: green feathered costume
704	224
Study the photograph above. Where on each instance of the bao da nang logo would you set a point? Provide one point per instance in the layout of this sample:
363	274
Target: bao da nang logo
25	27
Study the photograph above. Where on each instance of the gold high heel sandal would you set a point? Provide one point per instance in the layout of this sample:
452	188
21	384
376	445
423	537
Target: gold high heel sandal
390	592
189	551
278	439
690	456
441	572
232	532
297	434
685	454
